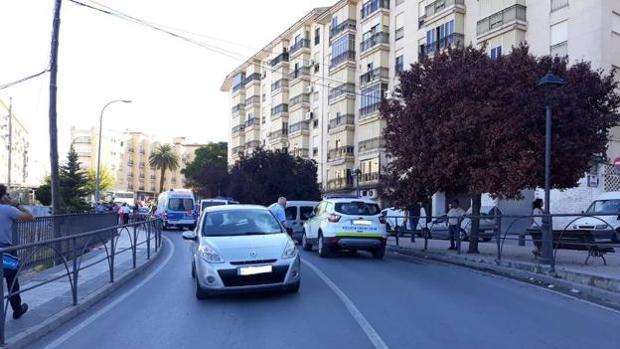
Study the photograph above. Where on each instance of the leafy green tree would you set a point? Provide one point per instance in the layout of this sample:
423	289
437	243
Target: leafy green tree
263	176
164	158
106	180
207	174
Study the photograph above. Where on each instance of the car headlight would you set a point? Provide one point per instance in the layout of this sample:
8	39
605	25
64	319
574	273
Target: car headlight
209	254
290	251
602	227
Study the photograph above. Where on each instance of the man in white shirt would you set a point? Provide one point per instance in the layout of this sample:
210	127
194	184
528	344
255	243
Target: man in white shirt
454	221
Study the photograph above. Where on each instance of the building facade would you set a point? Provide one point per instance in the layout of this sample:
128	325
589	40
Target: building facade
126	156
13	140
315	90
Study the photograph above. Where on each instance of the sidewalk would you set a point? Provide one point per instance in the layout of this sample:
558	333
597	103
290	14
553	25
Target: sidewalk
596	278
51	305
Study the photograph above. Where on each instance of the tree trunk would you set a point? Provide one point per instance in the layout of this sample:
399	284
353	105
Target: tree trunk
161	180
476	202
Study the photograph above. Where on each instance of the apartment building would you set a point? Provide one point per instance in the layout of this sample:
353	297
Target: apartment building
315	89
126	155
13	140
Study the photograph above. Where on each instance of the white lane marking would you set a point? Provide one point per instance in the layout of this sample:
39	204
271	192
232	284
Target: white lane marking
374	337
60	340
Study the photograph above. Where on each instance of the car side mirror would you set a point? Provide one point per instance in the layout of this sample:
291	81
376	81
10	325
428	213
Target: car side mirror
189	235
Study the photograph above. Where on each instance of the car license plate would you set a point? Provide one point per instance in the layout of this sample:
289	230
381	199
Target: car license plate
361	222
264	269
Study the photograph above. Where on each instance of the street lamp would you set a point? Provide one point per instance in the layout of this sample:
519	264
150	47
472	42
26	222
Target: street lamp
99	145
548	82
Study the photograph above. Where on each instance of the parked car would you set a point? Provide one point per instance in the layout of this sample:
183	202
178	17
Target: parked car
297	213
438	229
604	223
215	202
346	224
242	248
395	221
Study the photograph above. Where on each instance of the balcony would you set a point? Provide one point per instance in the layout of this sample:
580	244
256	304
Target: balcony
340	184
341	120
279	110
299	73
380	73
348	25
282	57
82	140
440	5
281	84
366	111
369	178
253	101
298	126
347	89
238	108
347	56
238	150
509	15
298	46
251	78
237	129
372	6
299	100
382	37
340	153
238	87
454	39
252	122
278	135
371	144
301	152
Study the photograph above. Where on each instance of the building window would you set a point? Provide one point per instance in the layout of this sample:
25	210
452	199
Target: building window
400	27
558	4
315	123
317	36
559	39
496	52
399	64
615	23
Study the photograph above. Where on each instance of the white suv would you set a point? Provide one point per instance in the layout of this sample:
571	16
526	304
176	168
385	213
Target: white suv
348	224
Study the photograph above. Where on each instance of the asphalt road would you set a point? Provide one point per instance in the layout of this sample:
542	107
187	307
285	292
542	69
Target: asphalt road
403	304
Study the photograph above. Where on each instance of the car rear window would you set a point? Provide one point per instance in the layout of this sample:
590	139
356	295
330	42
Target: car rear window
178	204
357	208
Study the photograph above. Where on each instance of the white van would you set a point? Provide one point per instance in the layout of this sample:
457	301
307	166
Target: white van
605	220
177	209
297	213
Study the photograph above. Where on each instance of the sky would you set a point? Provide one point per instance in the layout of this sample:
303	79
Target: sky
174	85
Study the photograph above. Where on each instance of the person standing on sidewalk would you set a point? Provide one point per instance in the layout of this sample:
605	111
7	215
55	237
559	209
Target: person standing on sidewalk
537	210
11	211
126	212
454	222
413	215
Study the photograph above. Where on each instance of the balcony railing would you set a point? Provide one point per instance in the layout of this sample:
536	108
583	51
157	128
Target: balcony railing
372	6
510	14
456	39
253	101
299	126
439	5
238	128
252	122
299	99
341	120
303	43
238	87
237	108
343	57
278	134
282	83
279	109
349	24
371	144
252	77
299	72
282	57
399	33
382	37
369	177
344	89
369	109
340	153
380	73
340	183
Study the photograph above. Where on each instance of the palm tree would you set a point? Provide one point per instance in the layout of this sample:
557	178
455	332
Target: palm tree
164	158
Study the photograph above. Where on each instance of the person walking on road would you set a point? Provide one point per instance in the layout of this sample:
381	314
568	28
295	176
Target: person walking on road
11	211
125	212
537	222
278	210
454	221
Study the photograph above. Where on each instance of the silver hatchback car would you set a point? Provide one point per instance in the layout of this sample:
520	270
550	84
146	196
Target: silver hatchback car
242	248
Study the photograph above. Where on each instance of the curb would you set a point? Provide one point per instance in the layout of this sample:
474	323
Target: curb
37	332
577	286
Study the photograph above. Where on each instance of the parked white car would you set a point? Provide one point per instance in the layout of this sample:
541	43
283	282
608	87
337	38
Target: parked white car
346	224
604	224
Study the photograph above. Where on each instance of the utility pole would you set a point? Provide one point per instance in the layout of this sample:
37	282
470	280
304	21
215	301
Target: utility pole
10	142
53	127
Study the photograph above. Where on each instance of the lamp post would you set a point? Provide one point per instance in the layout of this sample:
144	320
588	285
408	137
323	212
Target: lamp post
548	82
97	183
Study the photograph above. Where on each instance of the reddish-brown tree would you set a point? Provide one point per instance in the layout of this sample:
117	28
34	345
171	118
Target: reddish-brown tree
461	122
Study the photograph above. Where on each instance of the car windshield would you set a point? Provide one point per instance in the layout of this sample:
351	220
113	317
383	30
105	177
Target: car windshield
179	204
357	208
605	206
240	222
206	204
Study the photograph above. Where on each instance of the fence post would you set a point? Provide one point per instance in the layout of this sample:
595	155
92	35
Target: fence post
112	252
2	313
75	271
133	246
148	240
458	234
498	219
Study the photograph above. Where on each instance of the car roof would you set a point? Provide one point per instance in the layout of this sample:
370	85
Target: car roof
345	200
235	208
609	195
301	203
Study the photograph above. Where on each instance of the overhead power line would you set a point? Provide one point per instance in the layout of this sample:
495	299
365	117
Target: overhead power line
16	82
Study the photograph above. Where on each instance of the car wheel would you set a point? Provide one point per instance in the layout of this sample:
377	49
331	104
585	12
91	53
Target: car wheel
379	253
323	250
305	245
200	292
